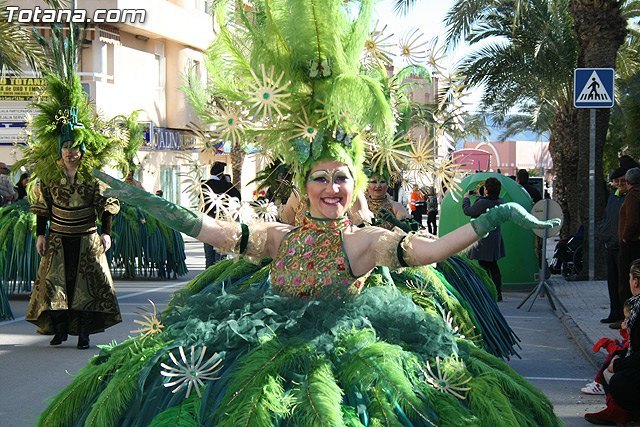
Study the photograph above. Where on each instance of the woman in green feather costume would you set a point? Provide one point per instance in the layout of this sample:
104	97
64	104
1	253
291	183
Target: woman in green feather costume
299	339
142	246
19	259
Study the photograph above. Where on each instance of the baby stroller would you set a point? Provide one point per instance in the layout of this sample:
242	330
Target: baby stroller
567	256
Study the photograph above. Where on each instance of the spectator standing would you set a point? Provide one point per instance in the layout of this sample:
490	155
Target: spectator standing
7	191
417	204
628	234
522	178
490	248
21	186
132	181
432	212
219	185
608	234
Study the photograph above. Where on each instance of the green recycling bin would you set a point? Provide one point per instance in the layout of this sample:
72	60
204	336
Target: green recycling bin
520	265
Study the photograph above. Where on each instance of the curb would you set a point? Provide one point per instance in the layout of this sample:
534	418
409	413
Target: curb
581	340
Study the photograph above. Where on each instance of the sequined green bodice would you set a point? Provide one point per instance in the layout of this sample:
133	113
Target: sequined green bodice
376	205
312	263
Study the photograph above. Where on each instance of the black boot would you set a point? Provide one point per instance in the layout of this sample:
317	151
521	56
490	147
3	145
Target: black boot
60	326
84	323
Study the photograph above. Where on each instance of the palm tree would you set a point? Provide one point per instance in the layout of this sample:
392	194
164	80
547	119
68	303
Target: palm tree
530	67
600	30
526	62
18	44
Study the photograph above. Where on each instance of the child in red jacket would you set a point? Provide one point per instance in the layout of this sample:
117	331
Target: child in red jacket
613	348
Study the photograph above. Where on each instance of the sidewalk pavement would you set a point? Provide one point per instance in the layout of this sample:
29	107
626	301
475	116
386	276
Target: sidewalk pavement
586	302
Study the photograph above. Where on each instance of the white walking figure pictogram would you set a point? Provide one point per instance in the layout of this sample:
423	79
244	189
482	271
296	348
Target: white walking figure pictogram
594	90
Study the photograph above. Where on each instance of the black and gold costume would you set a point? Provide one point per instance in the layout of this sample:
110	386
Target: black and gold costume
74	273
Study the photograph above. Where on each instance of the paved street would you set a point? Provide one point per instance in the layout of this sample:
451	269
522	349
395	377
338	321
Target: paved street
32	371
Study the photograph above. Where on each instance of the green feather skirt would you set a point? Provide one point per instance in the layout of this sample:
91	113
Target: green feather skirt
233	353
144	247
19	260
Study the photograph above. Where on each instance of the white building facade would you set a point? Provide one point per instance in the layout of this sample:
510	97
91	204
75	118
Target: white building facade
131	66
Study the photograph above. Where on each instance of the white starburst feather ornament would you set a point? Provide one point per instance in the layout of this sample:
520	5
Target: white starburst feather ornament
150	324
412	47
228	122
304	128
391	154
267	211
215	202
266	95
377	47
191	373
420	155
446	382
444	175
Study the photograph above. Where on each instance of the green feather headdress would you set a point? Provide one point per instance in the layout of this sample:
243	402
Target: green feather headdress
287	76
64	113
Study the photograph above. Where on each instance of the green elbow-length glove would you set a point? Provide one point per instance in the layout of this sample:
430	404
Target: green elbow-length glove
174	216
510	211
404	225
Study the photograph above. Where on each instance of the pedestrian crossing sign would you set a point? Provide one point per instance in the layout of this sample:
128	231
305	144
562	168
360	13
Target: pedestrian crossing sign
593	87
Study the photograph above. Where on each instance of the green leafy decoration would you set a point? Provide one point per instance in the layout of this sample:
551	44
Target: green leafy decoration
114	399
186	414
318	398
255	393
378	366
68	406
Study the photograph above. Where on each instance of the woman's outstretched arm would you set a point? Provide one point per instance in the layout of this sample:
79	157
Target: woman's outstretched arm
263	239
418	250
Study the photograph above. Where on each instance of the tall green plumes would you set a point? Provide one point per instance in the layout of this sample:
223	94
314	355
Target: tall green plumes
305	56
135	134
42	154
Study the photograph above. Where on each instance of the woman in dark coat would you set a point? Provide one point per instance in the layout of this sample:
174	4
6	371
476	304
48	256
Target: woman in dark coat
491	248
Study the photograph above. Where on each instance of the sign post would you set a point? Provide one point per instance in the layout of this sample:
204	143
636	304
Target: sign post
592	88
544	210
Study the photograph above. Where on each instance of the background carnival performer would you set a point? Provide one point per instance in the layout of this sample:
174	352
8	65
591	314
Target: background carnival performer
380	202
302	343
78	298
142	246
73	292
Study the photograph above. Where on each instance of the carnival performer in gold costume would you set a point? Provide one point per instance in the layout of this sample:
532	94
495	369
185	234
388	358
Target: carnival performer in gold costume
73	292
380	202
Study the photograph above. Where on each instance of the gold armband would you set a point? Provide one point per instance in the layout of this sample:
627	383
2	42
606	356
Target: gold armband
405	251
386	248
232	232
256	243
244	241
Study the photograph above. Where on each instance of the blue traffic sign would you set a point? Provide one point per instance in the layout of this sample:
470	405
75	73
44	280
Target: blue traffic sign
593	87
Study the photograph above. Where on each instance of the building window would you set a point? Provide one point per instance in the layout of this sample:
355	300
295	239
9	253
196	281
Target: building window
170	183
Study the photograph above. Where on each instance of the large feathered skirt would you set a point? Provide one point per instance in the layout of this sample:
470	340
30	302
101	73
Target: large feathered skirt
230	352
